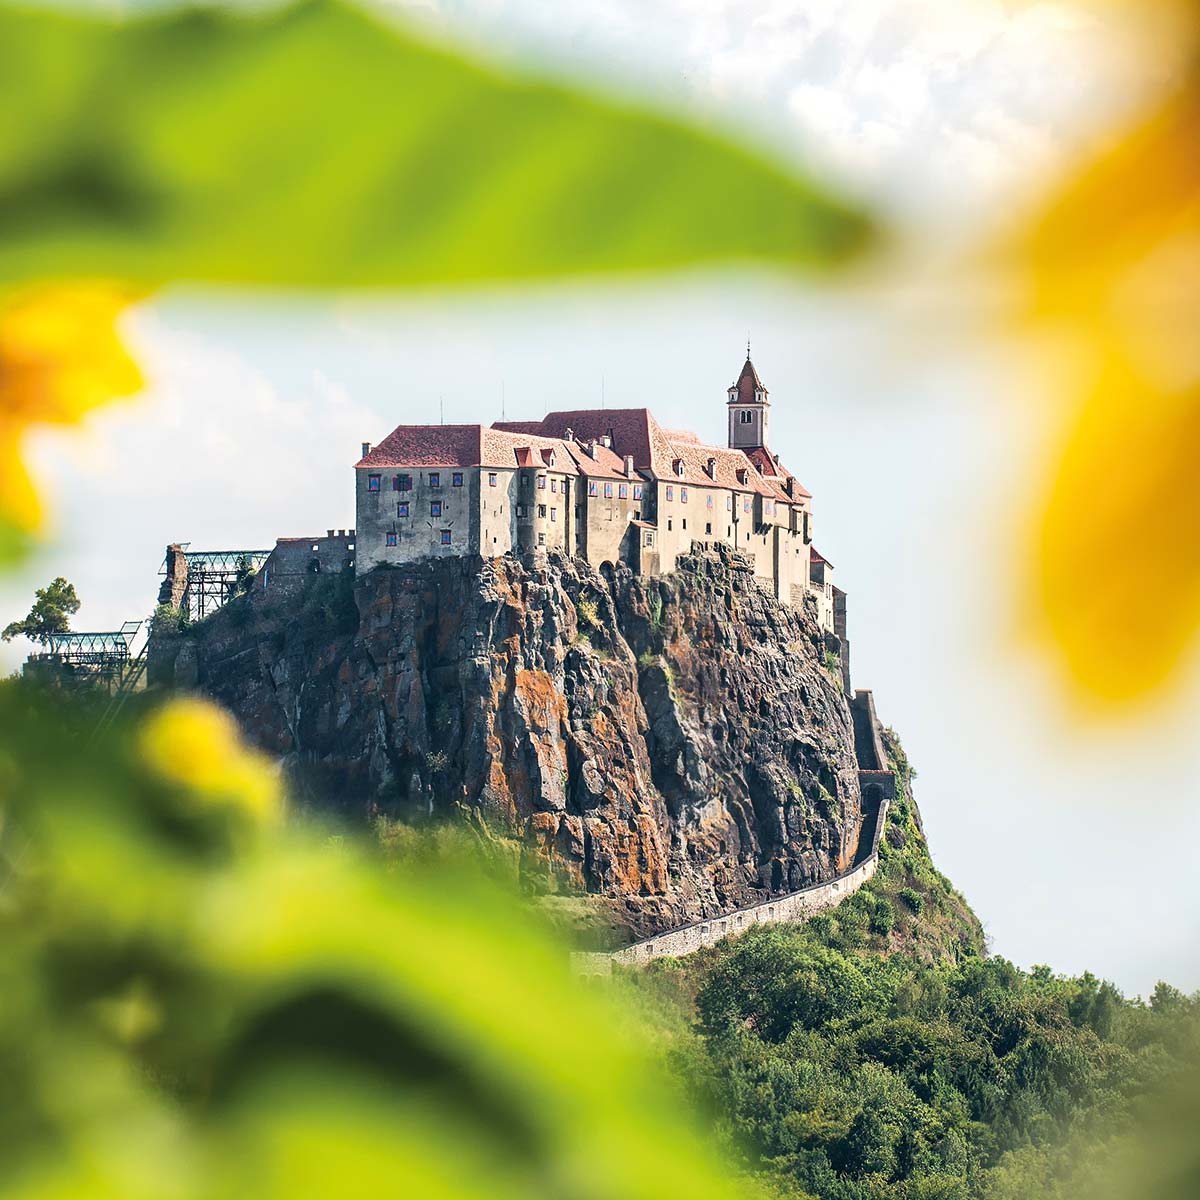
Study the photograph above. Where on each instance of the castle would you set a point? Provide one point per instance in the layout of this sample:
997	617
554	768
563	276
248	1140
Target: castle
606	485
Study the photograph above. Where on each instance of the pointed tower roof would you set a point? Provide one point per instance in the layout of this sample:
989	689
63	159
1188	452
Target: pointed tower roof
748	383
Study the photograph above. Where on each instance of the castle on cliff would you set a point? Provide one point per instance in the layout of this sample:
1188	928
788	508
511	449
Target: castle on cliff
607	485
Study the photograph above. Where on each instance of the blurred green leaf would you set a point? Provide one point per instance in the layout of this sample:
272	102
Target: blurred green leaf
318	145
197	1005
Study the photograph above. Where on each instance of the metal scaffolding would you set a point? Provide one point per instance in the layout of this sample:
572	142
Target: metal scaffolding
104	657
214	577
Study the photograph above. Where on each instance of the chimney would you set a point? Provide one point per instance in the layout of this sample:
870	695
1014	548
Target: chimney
629	465
606	440
366	449
570	434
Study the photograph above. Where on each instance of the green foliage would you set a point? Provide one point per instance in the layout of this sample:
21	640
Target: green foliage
308	146
587	613
328	605
168	621
53	607
913	900
833	664
197	1005
850	1075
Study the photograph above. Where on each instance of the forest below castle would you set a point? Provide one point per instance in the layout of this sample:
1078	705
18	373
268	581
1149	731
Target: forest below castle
875	1053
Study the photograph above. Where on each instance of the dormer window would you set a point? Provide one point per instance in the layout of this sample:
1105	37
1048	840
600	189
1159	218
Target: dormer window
712	468
678	464
743	475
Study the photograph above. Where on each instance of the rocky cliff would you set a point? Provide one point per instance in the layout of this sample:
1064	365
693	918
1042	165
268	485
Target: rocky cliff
677	745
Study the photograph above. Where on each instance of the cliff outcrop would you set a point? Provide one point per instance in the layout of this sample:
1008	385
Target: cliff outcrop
678	745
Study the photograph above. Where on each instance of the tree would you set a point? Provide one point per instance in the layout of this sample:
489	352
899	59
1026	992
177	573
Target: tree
53	607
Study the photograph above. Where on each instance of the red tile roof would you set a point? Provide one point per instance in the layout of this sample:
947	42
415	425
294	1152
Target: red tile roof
814	555
633	431
465	446
765	461
748	383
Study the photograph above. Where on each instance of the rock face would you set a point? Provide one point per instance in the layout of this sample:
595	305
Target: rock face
679	745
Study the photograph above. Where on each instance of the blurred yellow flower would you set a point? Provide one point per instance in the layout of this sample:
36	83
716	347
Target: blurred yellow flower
197	744
60	356
1113	271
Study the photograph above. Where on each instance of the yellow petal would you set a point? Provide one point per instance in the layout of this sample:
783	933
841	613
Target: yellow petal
60	356
197	744
1119	567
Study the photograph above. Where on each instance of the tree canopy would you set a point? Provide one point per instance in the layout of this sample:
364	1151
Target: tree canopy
53	607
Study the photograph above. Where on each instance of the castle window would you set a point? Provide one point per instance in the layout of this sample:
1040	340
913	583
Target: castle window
670	492
637	491
395	483
554	514
593	488
554	485
372	483
683	495
402	509
683	523
520	510
623	491
708	527
491	479
405	482
456	479
670	525
435	509
541	539
435	479
542	511
541	481
649	538
445	537
608	491
745	416
710	501
389	539
746	504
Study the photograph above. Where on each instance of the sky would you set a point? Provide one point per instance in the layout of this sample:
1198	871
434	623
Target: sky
922	437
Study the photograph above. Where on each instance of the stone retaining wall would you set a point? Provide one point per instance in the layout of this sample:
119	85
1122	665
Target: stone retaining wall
795	906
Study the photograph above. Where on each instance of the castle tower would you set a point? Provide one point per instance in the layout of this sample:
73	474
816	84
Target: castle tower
748	409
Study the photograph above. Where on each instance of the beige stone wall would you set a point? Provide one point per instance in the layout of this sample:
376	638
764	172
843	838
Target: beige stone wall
605	534
546	502
419	534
